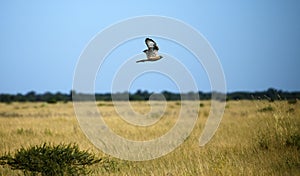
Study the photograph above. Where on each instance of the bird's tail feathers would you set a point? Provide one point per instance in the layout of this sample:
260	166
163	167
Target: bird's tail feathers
143	60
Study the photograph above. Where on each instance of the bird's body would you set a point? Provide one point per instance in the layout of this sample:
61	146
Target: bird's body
151	52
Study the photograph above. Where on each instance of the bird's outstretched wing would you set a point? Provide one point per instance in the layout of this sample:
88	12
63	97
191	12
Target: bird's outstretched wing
152	50
151	44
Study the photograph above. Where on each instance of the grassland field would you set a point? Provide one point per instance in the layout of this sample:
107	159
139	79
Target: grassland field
254	138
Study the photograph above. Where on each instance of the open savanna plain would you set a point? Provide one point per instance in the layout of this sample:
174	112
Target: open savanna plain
254	137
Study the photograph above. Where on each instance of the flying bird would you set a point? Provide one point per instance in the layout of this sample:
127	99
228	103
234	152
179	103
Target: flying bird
151	52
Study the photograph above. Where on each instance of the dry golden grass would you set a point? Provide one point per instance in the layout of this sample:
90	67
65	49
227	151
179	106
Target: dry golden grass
251	139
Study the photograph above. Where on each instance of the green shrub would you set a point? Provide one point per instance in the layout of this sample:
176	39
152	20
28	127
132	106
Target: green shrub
50	160
266	109
294	140
52	101
22	131
292	101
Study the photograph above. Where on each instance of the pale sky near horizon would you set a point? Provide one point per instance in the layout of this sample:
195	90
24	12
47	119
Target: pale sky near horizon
257	42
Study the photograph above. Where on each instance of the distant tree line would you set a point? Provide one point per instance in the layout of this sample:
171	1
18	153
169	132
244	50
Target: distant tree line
271	94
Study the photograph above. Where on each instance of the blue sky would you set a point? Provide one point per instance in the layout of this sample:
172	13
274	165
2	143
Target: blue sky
257	42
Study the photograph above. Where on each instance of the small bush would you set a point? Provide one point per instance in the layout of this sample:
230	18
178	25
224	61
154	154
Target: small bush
266	109
104	104
290	110
52	101
50	160
294	140
178	103
292	101
22	131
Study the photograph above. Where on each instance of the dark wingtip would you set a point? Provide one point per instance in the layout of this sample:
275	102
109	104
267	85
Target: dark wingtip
149	39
